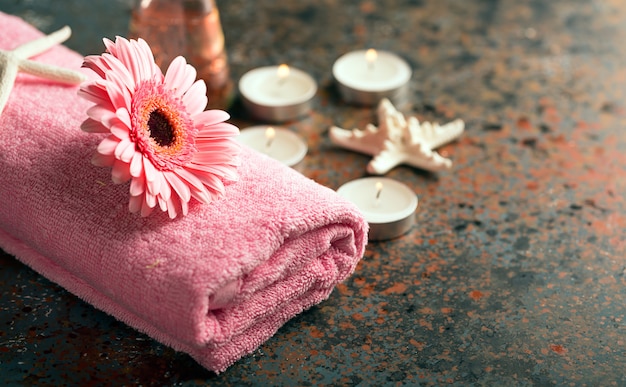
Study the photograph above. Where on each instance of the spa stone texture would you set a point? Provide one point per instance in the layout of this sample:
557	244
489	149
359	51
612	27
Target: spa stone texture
515	273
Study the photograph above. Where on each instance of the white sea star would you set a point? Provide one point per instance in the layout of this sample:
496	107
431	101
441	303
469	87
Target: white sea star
16	60
399	141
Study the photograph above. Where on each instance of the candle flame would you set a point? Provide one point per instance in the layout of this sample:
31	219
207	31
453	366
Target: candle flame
270	133
283	71
371	55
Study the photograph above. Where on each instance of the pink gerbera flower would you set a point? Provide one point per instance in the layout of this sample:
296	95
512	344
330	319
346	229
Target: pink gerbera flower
160	138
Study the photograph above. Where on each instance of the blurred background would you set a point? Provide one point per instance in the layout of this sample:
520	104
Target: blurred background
515	273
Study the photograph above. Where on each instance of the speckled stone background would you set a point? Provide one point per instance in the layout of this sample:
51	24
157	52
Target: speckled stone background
515	273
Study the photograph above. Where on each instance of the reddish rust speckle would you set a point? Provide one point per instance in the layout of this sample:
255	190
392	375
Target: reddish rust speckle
524	123
316	333
476	295
532	185
358	317
397	288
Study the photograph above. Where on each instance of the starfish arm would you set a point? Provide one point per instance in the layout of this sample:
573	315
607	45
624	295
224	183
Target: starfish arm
385	107
413	130
51	72
426	159
384	162
447	133
370	128
8	73
42	44
355	140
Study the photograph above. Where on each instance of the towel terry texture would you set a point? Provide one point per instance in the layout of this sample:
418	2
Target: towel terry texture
216	283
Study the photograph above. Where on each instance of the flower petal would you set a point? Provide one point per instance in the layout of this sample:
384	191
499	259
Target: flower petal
149	170
189	178
162	203
107	145
100	113
127	54
115	90
206	149
136	165
213	182
210	117
95	92
185	207
224	171
201	195
154	186
137	186
179	76
150	199
123	115
120	148
143	70
166	190
120	131
181	189
215	158
195	98
110	46
128	154
96	64
223	129
116	66
148	61
172	204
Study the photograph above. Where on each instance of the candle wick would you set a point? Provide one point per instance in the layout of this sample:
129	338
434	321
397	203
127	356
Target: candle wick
270	134
379	189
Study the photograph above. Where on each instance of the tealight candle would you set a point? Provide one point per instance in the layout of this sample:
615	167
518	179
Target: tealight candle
277	93
276	142
387	205
367	76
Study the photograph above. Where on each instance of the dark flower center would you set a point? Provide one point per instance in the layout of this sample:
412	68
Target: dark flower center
161	130
161	127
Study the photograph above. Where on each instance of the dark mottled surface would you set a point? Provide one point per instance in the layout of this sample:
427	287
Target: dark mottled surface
515	272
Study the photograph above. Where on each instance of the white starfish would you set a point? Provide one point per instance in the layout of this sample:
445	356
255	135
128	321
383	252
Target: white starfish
398	141
16	60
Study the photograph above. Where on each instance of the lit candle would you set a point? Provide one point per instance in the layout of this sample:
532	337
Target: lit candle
366	77
278	143
370	56
277	93
387	205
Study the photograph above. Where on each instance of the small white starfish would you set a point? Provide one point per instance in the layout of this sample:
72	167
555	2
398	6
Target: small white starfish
398	141
16	60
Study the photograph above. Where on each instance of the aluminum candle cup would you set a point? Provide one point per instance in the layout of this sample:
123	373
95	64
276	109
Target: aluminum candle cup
387	205
276	142
365	77
277	93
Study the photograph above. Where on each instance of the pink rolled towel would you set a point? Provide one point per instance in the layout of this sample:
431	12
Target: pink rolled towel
215	283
